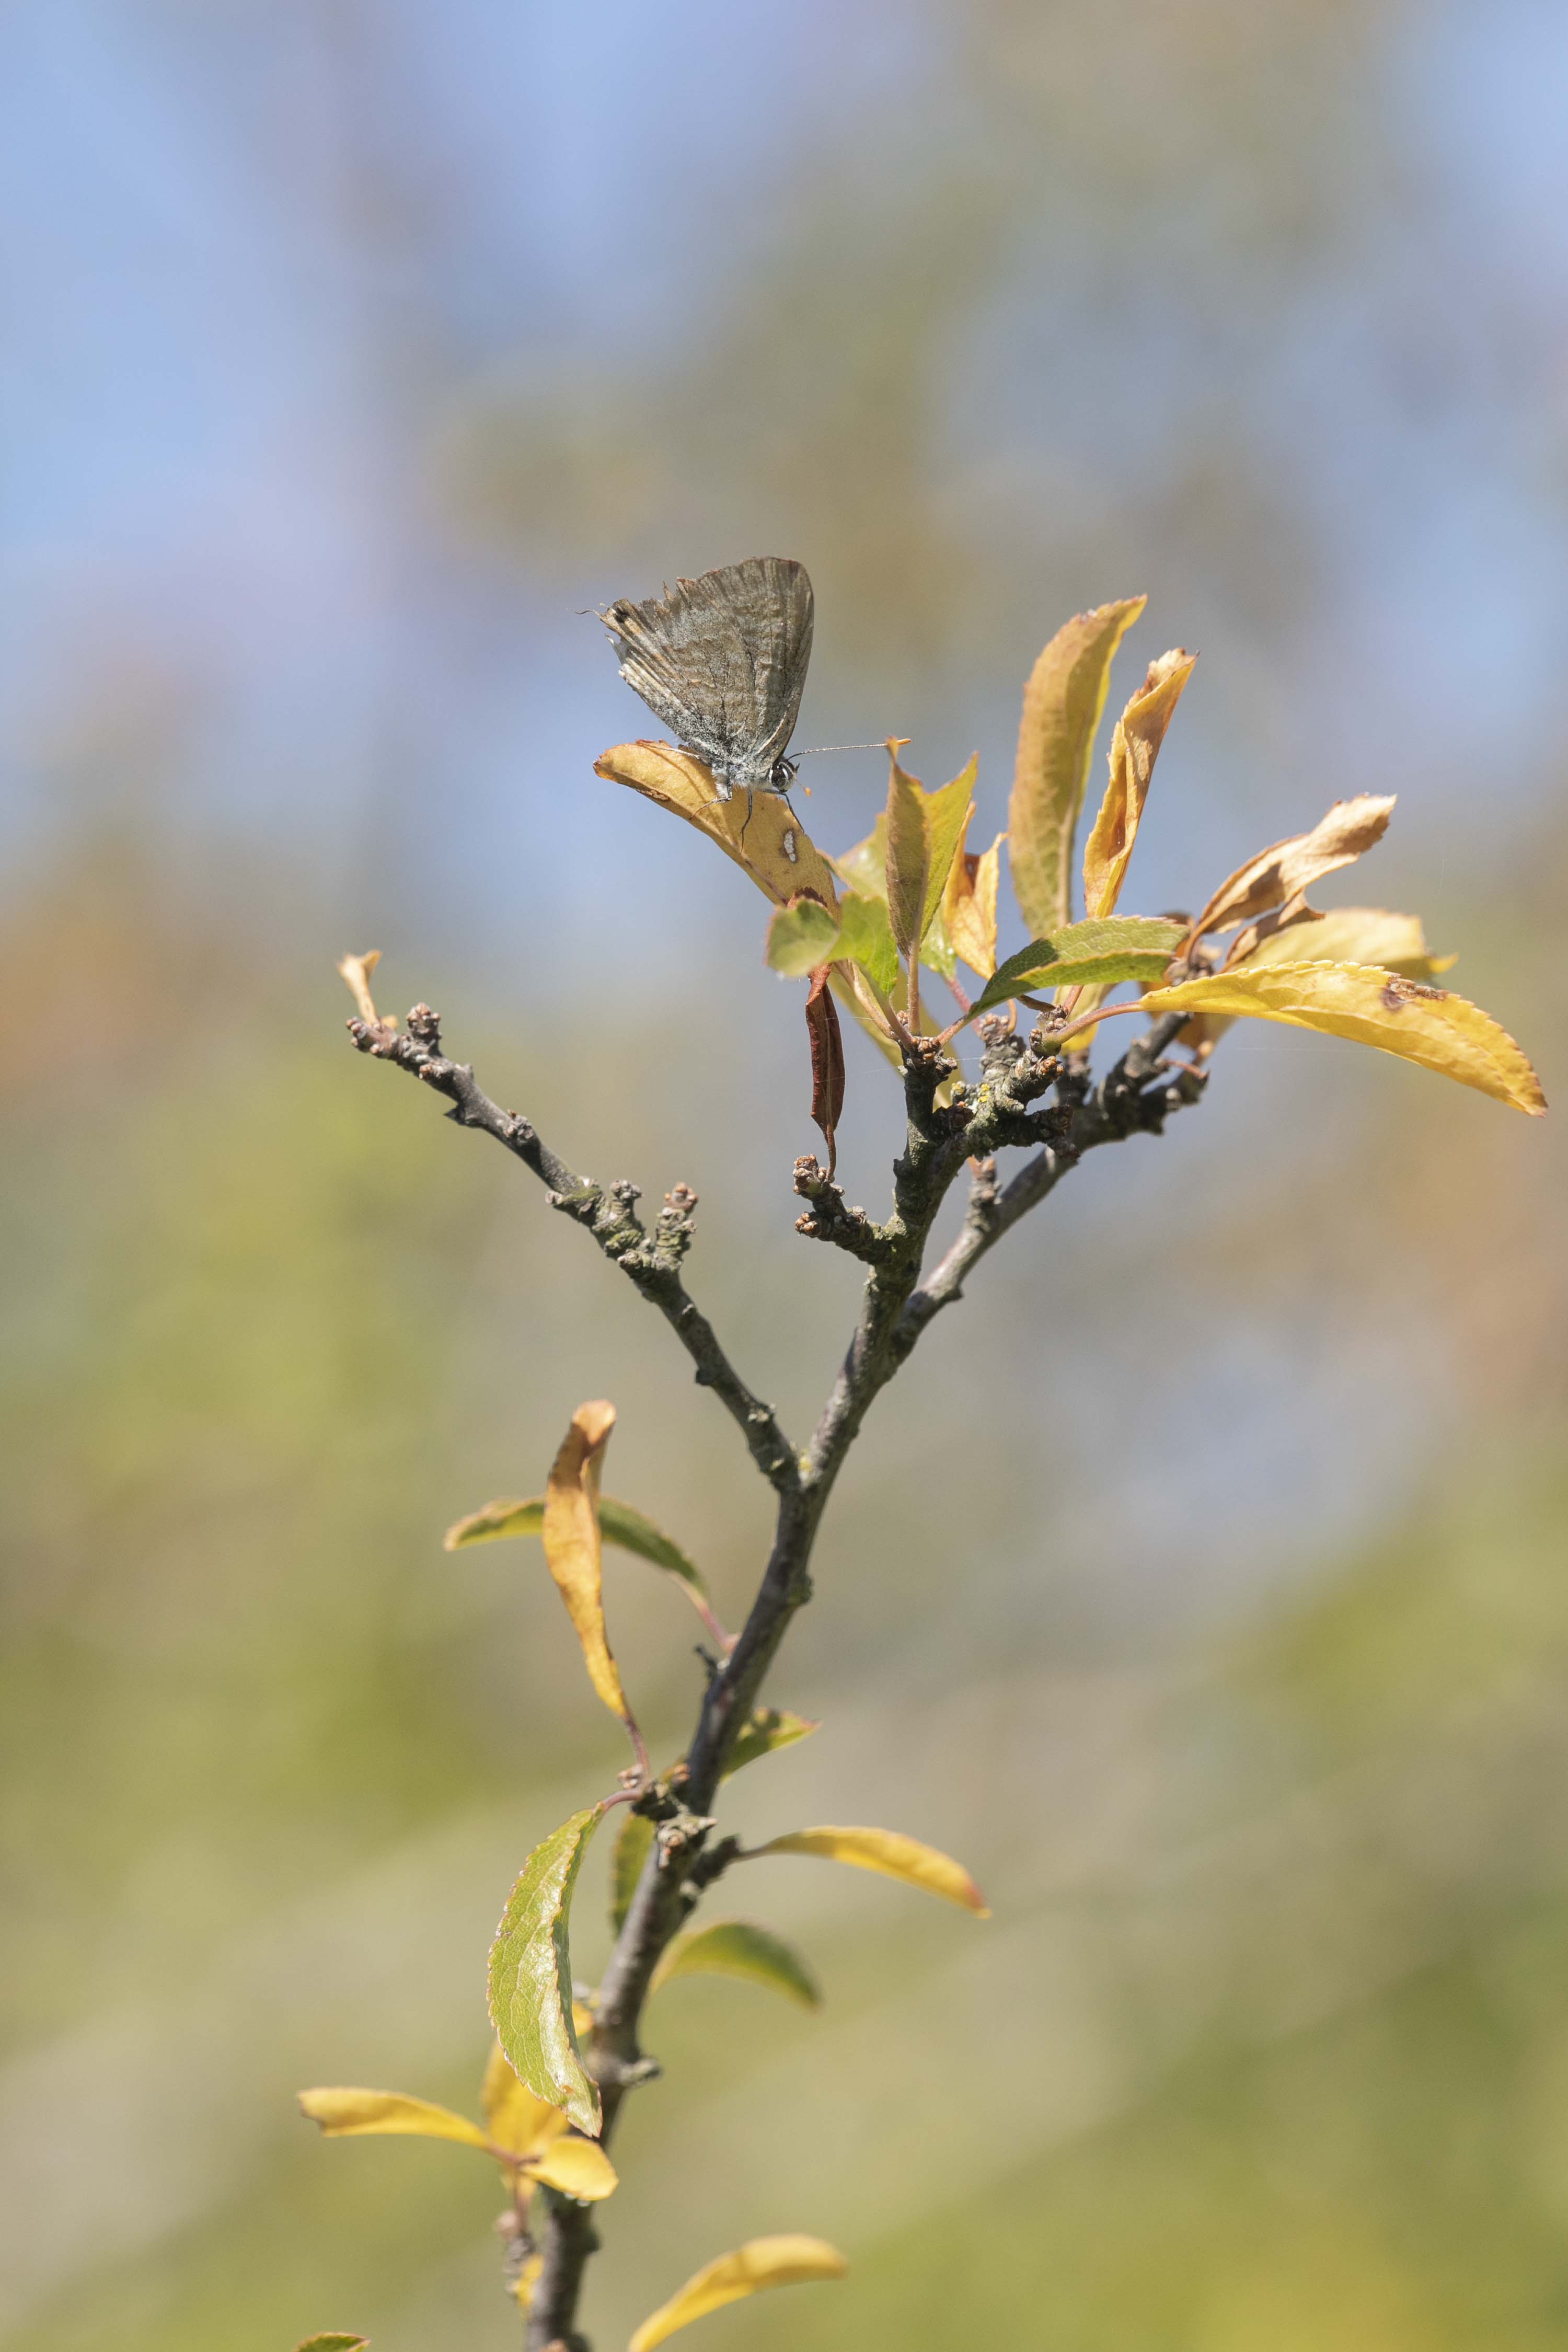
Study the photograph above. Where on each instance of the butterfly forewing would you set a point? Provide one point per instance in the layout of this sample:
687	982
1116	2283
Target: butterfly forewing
722	659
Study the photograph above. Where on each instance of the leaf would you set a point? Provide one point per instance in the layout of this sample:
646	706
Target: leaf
969	907
339	2340
1063	703
620	1523
869	1007
1374	1007
345	2114
1288	867
514	2117
826	1041
633	1847
947	814
577	2167
908	856
1114	948
1355	935
800	937
765	1731
865	867
680	782
886	1851
865	938
736	1948
572	1548
355	972
531	1975
1134	748
760	2263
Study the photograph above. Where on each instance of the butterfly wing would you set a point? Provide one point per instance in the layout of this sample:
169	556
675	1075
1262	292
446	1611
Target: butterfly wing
722	659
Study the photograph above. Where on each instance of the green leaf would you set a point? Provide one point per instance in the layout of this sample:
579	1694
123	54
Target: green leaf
620	1523
737	1948
340	2341
946	815
866	937
1063	703
1120	947
909	857
801	937
531	1975
768	1729
632	1850
865	867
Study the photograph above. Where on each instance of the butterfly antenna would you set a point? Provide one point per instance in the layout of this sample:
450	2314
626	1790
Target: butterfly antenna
817	748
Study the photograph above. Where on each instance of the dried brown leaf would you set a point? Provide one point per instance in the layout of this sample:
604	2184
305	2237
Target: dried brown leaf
1283	871
1134	748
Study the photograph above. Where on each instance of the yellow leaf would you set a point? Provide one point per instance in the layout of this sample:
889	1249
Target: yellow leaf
1442	1032
1134	748
776	852
894	1855
1352	935
969	907
908	856
1063	703
527	2280
355	971
515	2117
760	2263
343	2113
1288	867
577	2167
570	1529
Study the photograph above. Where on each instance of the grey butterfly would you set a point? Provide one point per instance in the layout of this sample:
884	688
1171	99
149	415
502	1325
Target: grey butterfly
721	660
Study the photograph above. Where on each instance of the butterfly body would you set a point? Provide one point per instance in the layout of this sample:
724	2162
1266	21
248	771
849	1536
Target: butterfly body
721	660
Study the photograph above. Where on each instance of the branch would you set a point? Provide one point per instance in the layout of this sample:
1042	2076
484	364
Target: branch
650	1261
1123	1104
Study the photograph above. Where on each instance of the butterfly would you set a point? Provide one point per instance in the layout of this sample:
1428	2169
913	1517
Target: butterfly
722	659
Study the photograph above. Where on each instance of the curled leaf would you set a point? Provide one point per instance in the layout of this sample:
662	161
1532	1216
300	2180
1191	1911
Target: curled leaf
342	2114
1288	867
1111	949
336	2340
1350	935
1429	1026
570	1531
531	1975
1063	703
760	2263
765	839
826	1061
738	1948
800	937
1134	748
355	971
895	1857
620	1523
969	907
577	2167
515	2119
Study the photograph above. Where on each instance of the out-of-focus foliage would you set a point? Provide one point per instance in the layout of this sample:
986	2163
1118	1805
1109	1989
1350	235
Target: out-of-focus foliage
1223	1629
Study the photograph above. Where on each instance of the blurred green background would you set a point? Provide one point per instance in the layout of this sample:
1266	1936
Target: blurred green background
1202	1584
